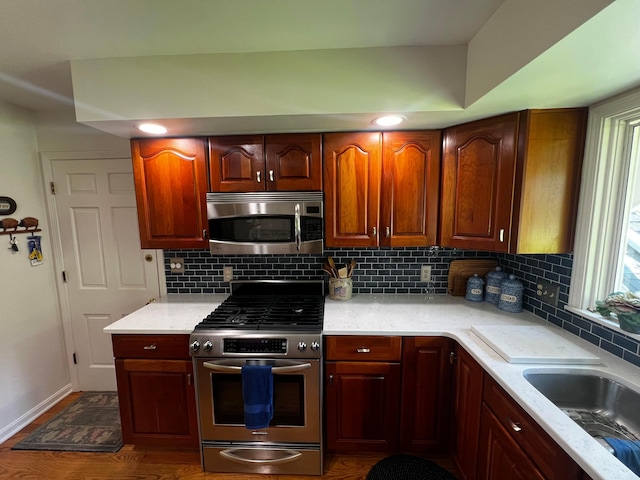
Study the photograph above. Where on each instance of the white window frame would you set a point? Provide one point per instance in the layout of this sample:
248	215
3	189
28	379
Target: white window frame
603	197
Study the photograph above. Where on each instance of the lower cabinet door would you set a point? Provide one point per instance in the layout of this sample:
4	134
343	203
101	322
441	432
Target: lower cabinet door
500	457
157	402
469	377
426	394
362	406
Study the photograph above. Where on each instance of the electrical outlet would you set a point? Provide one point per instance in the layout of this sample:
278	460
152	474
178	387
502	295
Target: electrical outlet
176	265
425	273
547	291
227	273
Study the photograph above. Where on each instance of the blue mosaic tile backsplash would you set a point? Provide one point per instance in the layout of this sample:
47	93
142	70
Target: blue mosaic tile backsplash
397	270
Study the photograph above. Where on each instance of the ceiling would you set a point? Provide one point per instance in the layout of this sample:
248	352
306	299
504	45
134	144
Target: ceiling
500	55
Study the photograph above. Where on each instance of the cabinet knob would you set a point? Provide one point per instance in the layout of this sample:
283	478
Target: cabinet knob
363	350
258	177
271	176
502	235
375	232
387	231
153	346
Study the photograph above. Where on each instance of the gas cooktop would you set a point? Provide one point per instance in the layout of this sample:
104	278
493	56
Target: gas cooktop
265	305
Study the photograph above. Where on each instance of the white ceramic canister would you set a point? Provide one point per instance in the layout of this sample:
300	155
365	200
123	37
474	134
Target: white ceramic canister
494	279
511	295
475	289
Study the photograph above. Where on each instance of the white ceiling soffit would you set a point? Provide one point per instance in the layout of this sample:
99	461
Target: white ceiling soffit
438	62
39	38
340	89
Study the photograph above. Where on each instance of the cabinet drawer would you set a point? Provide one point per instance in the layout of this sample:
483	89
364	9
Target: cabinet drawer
550	459
364	348
151	346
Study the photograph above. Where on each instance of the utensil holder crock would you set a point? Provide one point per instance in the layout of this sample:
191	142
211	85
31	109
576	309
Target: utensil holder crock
340	288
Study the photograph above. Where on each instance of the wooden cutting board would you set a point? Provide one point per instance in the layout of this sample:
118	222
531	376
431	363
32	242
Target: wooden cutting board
461	270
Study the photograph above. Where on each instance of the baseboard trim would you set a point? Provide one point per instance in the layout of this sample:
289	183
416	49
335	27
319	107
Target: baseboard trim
17	425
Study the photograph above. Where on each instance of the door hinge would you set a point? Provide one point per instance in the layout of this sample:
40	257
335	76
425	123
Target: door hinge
64	276
52	186
75	359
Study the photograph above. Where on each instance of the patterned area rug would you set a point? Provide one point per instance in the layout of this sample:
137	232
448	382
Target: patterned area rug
90	424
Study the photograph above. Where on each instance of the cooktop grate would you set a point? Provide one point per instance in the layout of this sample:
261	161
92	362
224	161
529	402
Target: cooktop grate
267	312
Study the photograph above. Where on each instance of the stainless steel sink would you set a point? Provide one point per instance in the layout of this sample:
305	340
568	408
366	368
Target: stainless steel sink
602	406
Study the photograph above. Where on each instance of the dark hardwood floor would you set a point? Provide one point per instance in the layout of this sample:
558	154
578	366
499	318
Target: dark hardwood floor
132	463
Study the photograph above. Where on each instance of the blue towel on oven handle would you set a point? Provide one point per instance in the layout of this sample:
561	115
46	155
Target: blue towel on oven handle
627	451
257	394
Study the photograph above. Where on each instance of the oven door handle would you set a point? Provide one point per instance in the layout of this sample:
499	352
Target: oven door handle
226	368
235	455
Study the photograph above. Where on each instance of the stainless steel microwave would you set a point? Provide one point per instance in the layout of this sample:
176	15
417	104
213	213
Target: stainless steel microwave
265	222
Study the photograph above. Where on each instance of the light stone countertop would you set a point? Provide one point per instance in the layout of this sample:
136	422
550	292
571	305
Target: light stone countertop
436	315
171	314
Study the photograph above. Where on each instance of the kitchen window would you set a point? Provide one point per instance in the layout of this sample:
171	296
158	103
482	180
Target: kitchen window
607	245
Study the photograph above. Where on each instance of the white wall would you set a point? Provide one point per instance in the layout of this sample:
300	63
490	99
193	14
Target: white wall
33	370
58	131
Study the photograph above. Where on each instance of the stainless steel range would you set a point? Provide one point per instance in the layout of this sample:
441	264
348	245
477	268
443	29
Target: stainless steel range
275	323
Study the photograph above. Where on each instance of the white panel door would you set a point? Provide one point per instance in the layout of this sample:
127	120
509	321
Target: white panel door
108	274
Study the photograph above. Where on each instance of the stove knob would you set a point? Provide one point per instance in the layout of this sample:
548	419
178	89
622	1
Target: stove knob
195	346
315	346
208	346
302	346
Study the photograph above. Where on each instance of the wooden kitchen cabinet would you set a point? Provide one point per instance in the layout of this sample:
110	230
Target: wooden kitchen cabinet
388	394
362	393
469	377
381	189
156	391
171	185
427	375
501	457
514	446
257	163
510	183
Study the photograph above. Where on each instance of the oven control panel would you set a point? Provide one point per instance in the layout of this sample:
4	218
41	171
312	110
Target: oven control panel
255	345
278	345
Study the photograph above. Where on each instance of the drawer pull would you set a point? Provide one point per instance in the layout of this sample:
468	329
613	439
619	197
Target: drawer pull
363	350
153	346
515	426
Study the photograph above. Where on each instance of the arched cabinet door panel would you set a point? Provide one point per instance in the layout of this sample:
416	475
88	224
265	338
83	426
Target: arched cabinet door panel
171	186
352	164
511	183
258	163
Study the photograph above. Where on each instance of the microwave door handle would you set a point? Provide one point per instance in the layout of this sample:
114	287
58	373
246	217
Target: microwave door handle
297	227
225	368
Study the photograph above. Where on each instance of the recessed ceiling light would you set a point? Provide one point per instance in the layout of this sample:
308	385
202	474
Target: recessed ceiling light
389	120
152	128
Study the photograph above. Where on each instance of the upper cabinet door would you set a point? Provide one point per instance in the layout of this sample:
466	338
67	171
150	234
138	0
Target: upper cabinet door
410	188
511	183
293	162
236	163
352	163
477	184
171	186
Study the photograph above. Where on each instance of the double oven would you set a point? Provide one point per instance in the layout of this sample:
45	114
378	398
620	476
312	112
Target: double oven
271	323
